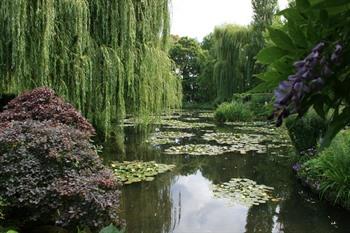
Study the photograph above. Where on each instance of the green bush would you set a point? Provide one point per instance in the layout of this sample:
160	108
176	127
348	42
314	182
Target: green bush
259	103
331	170
235	111
2	205
305	132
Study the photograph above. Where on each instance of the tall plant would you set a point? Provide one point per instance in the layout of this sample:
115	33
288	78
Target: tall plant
106	57
308	60
229	70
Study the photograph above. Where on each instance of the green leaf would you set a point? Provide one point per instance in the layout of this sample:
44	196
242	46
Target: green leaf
110	229
303	5
296	32
270	76
292	14
283	66
270	54
329	3
281	39
318	106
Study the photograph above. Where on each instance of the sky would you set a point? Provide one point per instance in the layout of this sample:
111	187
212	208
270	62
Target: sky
197	18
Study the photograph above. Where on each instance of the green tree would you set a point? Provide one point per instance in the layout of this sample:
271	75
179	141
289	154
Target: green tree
264	13
230	70
102	56
187	55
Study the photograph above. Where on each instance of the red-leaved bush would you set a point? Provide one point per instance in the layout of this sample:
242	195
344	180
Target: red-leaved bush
43	104
49	170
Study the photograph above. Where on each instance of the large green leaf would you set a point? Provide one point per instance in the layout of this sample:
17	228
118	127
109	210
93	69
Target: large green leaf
328	3
270	76
281	39
284	66
296	32
303	5
110	229
270	54
292	14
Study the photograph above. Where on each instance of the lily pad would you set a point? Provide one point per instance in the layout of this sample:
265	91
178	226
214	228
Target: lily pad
206	115
197	149
166	137
239	142
243	191
177	124
130	172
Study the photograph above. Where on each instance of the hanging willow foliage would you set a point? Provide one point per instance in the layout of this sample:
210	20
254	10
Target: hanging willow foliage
232	70
107	57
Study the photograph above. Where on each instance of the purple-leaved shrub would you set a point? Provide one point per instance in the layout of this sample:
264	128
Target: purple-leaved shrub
43	104
50	172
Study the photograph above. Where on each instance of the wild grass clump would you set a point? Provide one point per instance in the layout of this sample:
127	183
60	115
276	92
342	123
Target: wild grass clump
235	111
50	171
330	172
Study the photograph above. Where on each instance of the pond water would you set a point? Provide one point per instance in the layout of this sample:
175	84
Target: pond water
183	199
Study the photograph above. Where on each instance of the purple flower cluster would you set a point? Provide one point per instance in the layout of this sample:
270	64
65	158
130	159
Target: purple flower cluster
309	78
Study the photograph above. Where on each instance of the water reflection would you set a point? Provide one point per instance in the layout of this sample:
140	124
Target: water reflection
199	211
182	201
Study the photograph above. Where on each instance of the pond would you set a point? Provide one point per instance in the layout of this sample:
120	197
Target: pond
230	178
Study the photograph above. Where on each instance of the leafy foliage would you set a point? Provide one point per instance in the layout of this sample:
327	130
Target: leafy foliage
234	111
110	229
243	191
306	132
231	69
2	205
188	55
42	104
104	57
330	172
50	171
321	80
130	172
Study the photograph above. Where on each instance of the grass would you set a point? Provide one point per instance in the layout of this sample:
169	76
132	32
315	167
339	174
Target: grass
331	170
235	111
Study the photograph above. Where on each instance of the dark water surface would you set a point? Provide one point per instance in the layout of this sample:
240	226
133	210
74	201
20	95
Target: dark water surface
181	201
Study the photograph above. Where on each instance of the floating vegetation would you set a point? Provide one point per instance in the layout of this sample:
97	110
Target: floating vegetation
207	149
243	191
166	137
191	119
206	115
248	124
232	138
197	149
130	172
241	143
176	124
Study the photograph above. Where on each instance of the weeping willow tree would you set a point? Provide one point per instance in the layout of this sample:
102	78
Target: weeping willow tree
107	57
232	68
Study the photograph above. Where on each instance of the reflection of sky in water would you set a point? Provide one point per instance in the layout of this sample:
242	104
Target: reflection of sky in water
196	209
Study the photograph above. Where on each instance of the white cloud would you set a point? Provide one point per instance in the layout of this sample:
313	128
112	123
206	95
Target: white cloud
197	18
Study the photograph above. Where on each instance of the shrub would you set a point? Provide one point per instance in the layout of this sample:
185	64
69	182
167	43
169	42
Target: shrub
261	105
2	205
50	171
235	111
305	132
331	170
43	104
